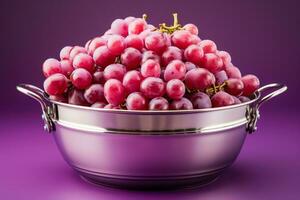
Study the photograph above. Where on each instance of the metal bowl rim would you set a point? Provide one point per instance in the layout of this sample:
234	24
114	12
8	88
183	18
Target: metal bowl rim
155	112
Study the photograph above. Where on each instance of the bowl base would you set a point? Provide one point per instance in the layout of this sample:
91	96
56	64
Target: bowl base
164	183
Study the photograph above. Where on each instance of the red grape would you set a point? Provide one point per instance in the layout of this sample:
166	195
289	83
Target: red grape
194	54
221	77
175	89
86	46
152	87
81	78
159	103
56	84
244	99
98	77
64	53
131	58
137	26
134	41
181	104
98	105
116	71
222	98
120	27
60	98
145	33
136	101
175	70
212	62
84	61
201	100
108	32
110	106
116	44
76	97
208	46
150	68
66	67
103	57
236	100
195	40
129	19
95	43
114	92
182	39
225	56
132	81
192	28
150	55
94	93
199	79
251	84
76	50
156	42
189	66
51	66
171	53
233	72
234	86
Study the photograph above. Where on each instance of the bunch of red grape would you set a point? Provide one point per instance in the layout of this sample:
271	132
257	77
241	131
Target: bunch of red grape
137	66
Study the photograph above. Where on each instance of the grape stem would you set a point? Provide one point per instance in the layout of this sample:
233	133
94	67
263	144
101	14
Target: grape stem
215	88
170	29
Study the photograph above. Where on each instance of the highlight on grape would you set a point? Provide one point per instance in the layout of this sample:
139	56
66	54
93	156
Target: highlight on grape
137	66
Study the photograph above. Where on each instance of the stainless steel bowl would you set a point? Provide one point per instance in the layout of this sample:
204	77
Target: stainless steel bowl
150	149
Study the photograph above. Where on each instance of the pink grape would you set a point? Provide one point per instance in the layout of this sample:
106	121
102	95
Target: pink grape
120	27
244	99
60	98
134	41
181	104
76	50
98	105
189	66
94	93
234	86
76	97
171	53
175	89
212	62
221	77
208	46
129	19
98	77
132	81
195	40
156	42
145	33
84	61
182	39
201	100
131	58
110	106
86	46
51	66
95	43
192	28
56	84
150	55
64	53
116	44
114	92
225	56
222	98
175	70
103	57
108	32
152	87
136	101
251	84
236	100
233	72
159	103
81	78
137	26
116	71
194	54
66	67
150	68
199	79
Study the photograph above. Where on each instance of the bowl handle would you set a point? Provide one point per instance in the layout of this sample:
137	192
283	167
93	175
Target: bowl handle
39	95
253	111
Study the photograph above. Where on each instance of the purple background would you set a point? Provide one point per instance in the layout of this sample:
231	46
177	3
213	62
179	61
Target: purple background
262	37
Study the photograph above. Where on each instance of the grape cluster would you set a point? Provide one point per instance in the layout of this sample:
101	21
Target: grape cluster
137	66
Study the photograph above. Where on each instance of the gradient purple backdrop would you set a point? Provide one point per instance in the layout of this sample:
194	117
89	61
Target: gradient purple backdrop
262	37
